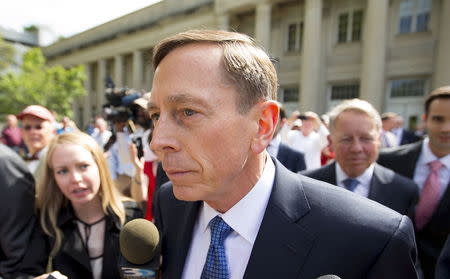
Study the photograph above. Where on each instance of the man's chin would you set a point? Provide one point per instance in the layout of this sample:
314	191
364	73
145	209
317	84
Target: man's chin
185	193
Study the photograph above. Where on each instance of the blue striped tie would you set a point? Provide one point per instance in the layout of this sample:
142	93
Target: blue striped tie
350	183
216	266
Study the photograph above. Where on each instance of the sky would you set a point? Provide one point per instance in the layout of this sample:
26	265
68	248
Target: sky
65	18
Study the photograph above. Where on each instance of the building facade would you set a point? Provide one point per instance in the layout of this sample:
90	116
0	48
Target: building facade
389	52
21	42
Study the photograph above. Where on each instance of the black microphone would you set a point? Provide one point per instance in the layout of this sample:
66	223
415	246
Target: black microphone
139	246
329	276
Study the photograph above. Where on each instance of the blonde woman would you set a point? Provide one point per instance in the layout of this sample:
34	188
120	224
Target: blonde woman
80	212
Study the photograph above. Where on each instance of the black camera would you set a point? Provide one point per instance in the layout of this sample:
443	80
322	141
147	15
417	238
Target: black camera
121	108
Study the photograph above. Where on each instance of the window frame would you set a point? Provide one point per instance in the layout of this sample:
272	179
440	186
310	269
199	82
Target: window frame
416	9
298	40
348	35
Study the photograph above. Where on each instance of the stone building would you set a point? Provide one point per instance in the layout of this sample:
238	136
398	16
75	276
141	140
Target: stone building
389	52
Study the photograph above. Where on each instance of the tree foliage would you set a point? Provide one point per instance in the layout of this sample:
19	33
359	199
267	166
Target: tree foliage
36	83
7	53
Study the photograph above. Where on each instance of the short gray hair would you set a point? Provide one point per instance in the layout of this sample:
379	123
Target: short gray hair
357	105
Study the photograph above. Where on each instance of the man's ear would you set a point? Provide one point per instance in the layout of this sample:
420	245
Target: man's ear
330	142
267	113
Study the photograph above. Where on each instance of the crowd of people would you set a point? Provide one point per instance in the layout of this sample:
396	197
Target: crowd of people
236	187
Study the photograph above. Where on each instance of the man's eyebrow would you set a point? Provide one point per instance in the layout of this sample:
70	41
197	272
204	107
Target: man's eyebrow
151	106
180	99
185	99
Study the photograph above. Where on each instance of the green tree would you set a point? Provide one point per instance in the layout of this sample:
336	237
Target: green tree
7	53
36	83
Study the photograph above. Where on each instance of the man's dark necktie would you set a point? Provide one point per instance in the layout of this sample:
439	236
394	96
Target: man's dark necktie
216	266
350	183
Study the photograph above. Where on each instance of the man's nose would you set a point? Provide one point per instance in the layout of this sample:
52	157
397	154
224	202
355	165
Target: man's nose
164	137
356	145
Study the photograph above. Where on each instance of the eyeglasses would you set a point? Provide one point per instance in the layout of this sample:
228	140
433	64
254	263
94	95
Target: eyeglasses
29	127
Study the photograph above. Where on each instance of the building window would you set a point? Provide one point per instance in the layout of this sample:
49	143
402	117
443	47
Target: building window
295	36
350	26
408	88
289	95
344	92
414	16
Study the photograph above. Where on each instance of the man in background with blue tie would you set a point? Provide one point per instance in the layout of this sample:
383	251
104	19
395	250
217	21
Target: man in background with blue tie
355	128
427	162
231	211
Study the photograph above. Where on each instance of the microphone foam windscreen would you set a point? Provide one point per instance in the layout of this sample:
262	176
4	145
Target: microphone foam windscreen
138	241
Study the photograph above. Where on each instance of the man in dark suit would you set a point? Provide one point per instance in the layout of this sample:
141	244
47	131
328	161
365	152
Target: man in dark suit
229	207
355	128
403	136
292	159
16	210
428	163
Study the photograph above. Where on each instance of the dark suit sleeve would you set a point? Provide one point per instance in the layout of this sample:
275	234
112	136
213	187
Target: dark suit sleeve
36	257
443	265
16	210
397	259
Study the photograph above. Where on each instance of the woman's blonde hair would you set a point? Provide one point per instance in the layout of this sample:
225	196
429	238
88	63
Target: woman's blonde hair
49	198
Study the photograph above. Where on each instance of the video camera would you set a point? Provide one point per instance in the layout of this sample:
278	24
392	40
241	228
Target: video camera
120	107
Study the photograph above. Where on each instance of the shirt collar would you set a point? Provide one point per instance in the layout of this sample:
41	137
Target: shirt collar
363	179
245	217
427	156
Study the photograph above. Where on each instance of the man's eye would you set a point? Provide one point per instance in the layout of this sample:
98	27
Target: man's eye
188	112
154	116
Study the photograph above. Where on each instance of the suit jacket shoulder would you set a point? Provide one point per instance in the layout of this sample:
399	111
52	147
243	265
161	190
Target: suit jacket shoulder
394	191
326	173
401	159
292	159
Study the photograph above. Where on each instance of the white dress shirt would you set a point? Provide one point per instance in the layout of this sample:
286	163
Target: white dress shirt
244	218
422	170
364	180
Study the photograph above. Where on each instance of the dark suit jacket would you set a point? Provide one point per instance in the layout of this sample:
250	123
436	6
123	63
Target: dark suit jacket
443	265
408	137
292	159
309	229
388	188
16	209
430	239
72	259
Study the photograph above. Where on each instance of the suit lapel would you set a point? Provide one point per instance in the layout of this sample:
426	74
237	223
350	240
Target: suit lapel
410	163
377	190
282	244
188	212
330	174
440	216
